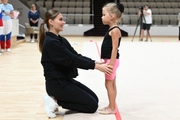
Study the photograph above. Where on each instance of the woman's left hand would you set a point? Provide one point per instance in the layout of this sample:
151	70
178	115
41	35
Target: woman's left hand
107	69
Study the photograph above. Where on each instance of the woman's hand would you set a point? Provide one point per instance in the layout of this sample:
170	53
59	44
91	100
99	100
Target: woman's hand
107	69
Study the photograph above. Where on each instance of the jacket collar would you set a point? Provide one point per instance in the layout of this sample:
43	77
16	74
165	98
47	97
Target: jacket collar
53	35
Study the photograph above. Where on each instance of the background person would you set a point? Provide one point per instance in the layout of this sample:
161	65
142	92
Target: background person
33	16
60	62
5	38
147	22
179	24
1	21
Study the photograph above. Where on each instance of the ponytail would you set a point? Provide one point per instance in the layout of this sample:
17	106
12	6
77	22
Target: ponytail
50	14
42	35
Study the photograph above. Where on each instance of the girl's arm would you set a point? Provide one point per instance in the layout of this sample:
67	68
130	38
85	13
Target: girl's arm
115	34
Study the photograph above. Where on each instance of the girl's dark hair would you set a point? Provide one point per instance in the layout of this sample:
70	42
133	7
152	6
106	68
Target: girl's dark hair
50	14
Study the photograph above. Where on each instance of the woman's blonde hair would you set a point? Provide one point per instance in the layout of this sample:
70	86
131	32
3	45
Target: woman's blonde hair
50	14
33	5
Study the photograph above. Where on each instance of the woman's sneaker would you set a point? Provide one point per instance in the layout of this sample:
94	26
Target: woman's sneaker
8	50
50	106
2	50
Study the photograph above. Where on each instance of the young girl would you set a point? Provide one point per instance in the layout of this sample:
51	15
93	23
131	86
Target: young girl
111	14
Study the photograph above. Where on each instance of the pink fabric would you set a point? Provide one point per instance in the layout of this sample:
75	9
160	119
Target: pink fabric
113	75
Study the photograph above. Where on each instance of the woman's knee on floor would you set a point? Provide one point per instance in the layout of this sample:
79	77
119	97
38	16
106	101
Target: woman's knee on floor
92	108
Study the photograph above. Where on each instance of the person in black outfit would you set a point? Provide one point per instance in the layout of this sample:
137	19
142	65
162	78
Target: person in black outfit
60	62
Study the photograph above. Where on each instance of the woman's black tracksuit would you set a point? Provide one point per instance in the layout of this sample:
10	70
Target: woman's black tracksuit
60	62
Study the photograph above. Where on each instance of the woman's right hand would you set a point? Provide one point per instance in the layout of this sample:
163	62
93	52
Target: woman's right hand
107	69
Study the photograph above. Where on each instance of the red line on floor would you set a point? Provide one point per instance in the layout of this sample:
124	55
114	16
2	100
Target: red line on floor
98	51
118	115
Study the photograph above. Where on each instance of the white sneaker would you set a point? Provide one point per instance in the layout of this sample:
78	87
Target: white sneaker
2	50
31	40
50	106
8	50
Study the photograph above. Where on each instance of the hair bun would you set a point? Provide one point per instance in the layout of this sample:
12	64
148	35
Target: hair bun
120	7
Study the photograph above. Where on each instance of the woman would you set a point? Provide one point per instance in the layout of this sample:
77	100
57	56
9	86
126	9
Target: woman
1	22
33	16
7	14
60	62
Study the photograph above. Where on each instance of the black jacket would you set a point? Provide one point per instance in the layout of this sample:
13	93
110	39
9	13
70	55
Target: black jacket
60	60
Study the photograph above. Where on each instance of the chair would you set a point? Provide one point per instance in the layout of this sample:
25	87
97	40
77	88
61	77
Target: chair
125	4
71	10
123	0
78	19
160	4
86	10
150	0
78	10
48	4
133	19
86	4
157	19
31	30
63	10
167	5
170	11
130	4
126	11
86	19
56	8
152	5
176	11
41	3
144	3
125	20
165	19
173	20
137	5
64	4
174	4
72	4
70	19
162	11
29	3
155	11
133	11
57	3
79	4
